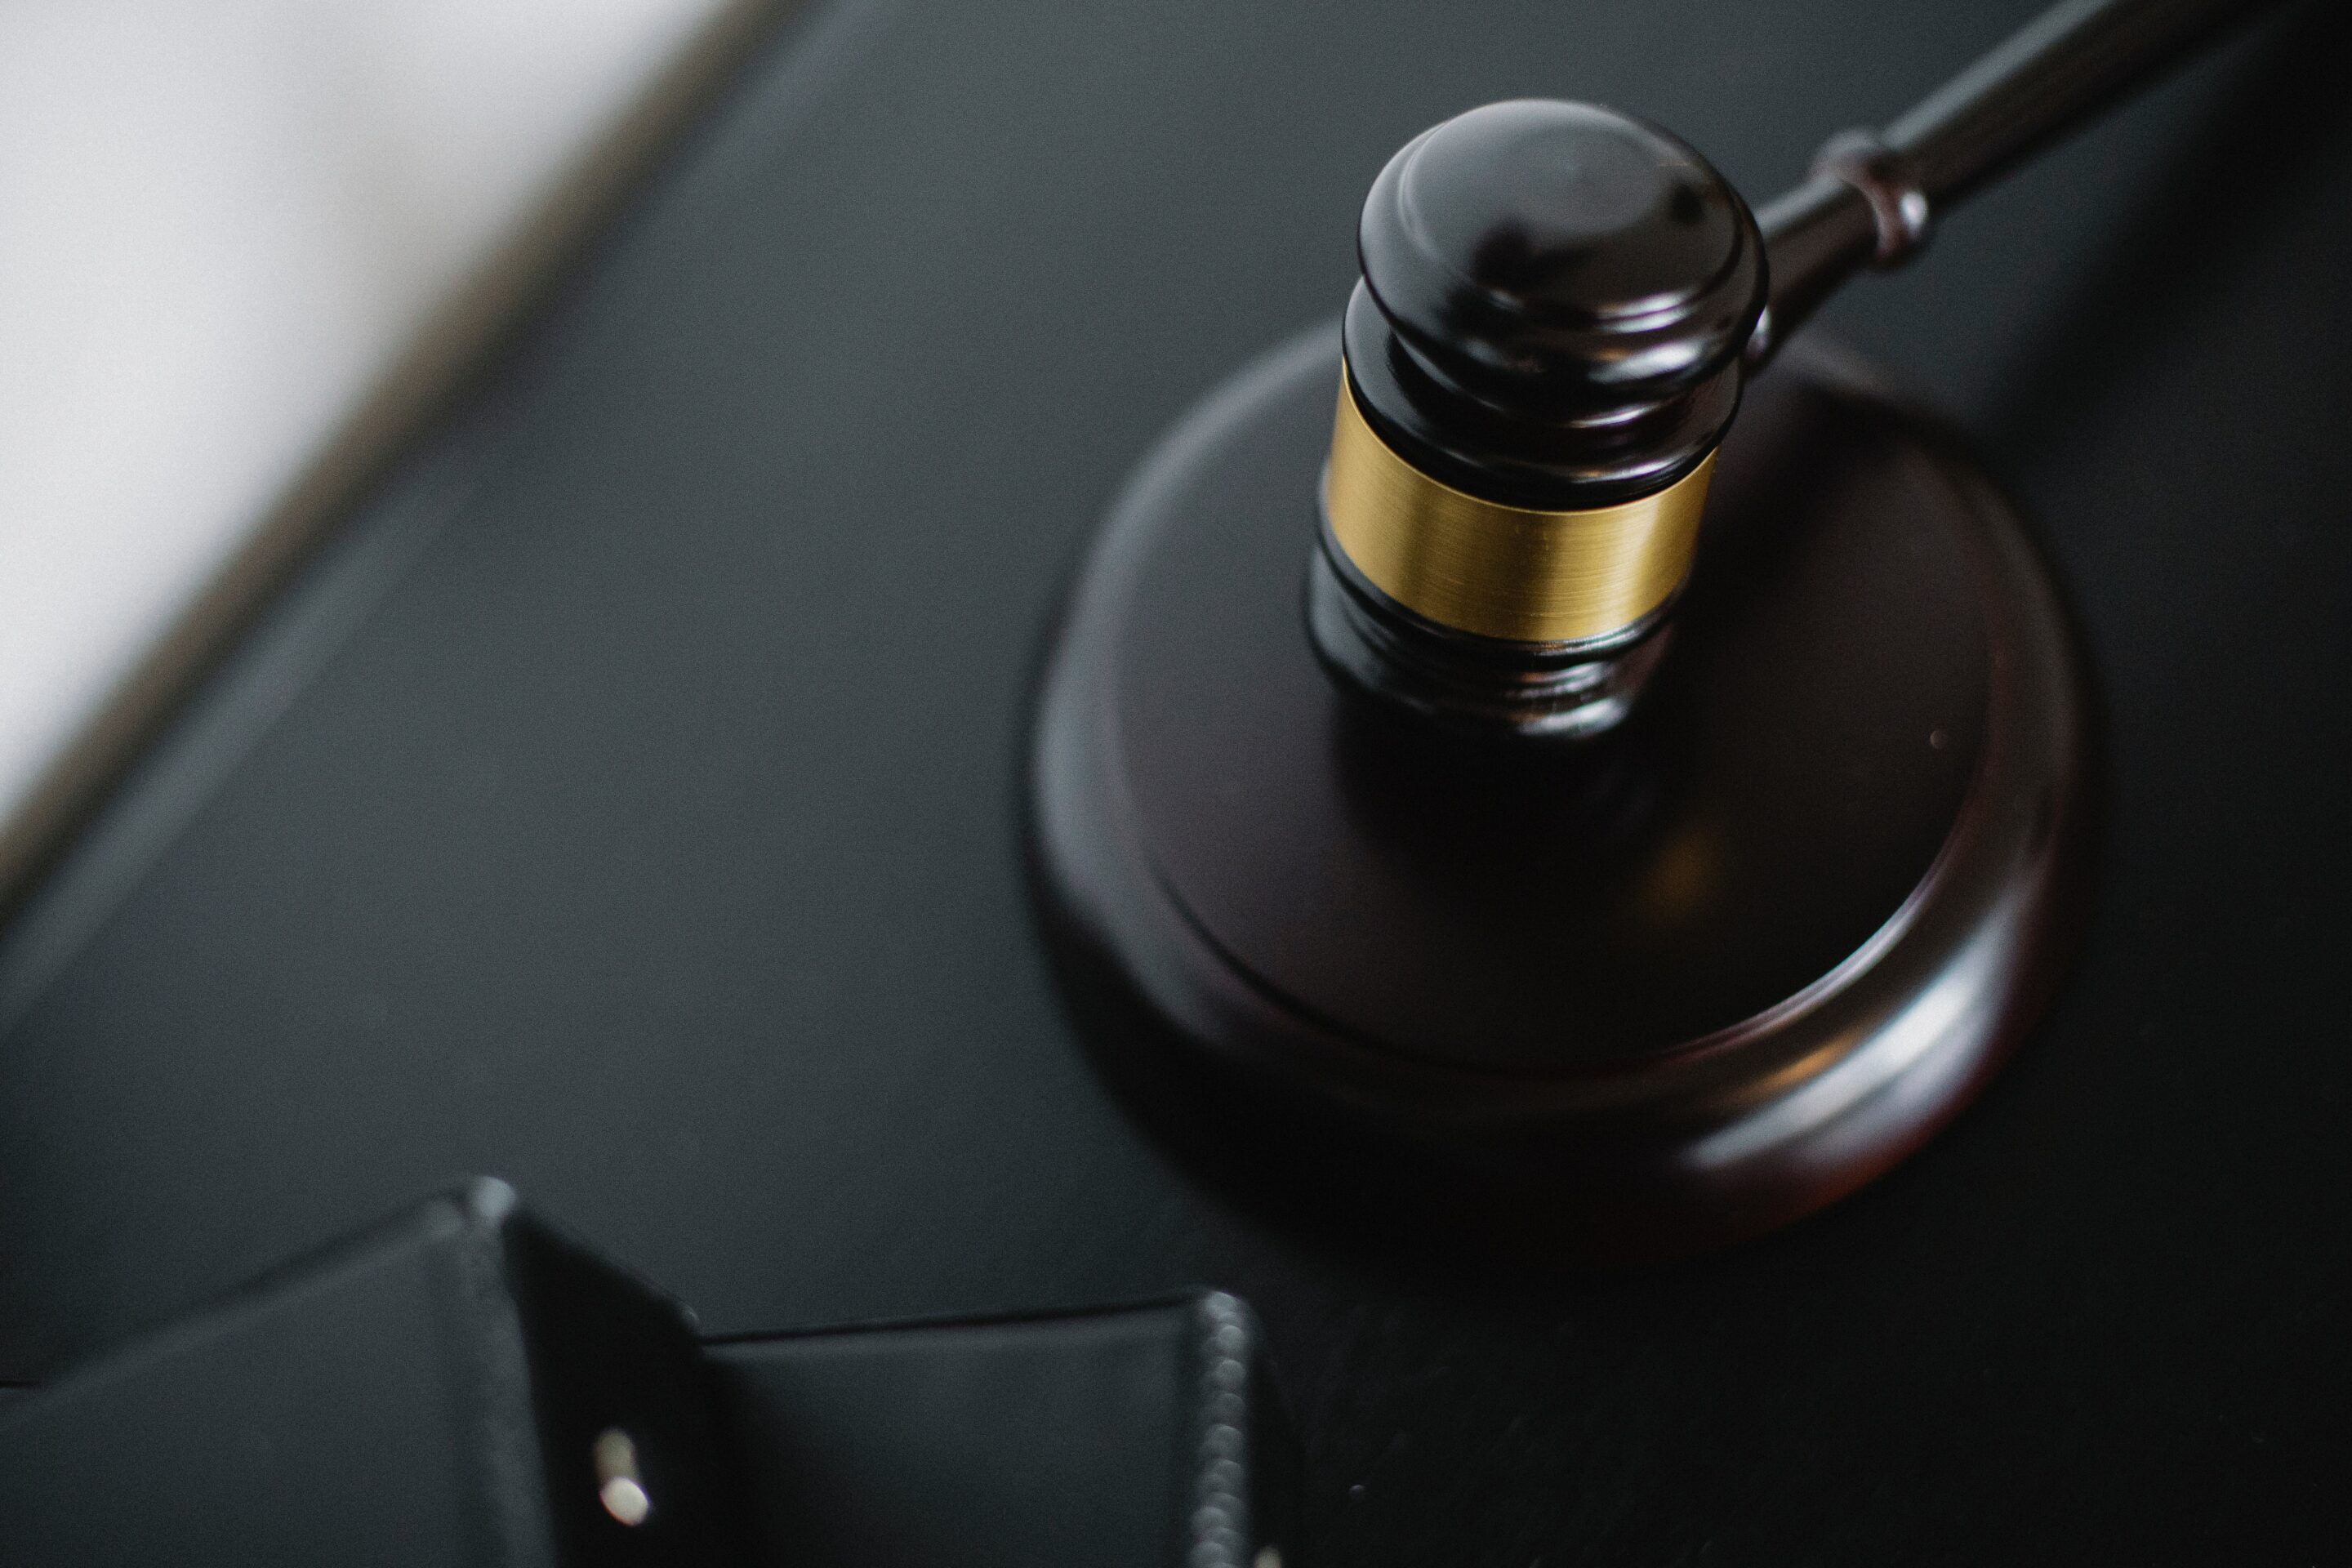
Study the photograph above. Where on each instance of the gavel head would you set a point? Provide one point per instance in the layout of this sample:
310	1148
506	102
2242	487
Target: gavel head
1543	354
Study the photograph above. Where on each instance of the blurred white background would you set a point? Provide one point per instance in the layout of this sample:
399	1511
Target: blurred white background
219	222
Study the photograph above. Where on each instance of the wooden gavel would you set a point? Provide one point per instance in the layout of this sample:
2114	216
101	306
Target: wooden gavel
1559	307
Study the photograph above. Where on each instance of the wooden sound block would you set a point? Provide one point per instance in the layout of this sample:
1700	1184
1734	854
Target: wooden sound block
1640	993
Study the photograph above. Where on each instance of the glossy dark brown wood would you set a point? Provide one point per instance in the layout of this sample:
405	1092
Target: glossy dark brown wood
1554	301
1685	982
2062	68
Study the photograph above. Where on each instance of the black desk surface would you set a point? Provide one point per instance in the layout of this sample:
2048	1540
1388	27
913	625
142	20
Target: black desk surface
625	802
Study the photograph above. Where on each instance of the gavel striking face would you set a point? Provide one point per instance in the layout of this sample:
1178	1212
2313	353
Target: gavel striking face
1571	871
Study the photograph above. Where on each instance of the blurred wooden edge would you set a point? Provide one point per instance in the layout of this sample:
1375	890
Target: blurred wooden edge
460	340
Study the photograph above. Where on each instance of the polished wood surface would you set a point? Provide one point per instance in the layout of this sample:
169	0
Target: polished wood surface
1873	197
1658	989
1555	297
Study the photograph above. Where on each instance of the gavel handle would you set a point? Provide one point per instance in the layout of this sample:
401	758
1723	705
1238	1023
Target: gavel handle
1872	195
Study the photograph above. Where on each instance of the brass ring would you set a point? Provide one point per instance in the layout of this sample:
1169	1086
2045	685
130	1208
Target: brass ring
1497	571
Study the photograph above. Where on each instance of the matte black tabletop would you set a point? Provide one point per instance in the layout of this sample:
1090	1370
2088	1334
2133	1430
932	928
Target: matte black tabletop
626	801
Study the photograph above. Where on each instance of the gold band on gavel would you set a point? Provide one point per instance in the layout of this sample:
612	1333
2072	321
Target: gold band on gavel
1504	570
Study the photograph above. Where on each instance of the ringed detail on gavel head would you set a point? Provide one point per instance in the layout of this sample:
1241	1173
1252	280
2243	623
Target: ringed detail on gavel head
1543	355
1671	806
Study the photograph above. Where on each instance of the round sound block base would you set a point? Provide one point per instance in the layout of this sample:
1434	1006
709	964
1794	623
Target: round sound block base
1646	993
